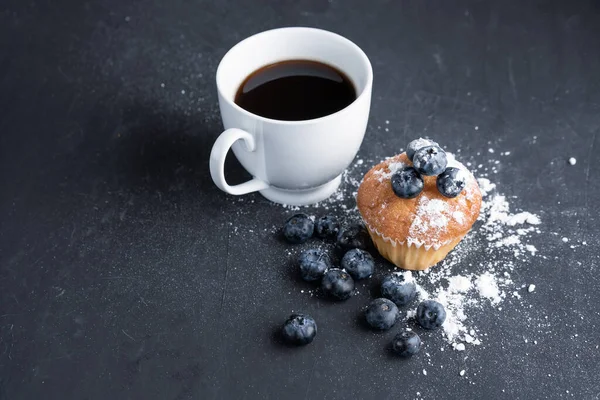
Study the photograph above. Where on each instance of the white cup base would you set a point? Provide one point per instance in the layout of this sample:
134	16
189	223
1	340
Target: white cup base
302	197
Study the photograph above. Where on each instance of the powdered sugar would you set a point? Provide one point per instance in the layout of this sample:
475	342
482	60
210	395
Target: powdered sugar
459	347
406	275
531	248
421	142
486	186
458	283
459	217
521	218
392	168
430	219
488	288
462	175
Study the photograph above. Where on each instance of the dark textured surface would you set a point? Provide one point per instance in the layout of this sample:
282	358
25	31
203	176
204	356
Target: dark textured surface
125	274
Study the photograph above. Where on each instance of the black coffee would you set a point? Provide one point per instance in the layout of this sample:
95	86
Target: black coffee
295	90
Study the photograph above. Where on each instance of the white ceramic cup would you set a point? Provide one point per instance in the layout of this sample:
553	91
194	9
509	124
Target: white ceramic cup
292	162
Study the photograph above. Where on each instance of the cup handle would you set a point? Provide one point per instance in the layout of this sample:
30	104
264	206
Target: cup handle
217	162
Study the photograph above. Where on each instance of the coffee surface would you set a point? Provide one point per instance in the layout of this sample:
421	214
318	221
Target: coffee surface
295	90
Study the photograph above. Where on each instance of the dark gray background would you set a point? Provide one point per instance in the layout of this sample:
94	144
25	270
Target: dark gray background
125	274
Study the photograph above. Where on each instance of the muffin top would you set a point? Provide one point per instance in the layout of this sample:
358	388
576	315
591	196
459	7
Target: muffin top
429	219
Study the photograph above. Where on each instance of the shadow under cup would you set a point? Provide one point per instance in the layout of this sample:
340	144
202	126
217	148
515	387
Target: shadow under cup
293	162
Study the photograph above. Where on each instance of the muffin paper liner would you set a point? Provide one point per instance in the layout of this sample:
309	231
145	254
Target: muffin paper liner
409	255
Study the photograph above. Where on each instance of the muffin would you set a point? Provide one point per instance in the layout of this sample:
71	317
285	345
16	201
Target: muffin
416	233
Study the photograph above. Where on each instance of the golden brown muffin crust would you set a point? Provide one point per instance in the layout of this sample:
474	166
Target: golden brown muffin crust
430	219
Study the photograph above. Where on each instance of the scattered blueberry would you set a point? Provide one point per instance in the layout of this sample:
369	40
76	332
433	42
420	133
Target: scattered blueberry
417	144
406	343
327	227
299	329
431	314
430	160
313	263
354	236
337	283
381	314
451	182
407	183
358	263
298	228
395	288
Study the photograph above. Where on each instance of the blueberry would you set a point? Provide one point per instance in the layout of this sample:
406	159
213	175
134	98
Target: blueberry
358	263
431	314
430	160
354	236
298	228
451	182
395	288
417	144
299	329
407	183
327	227
381	314
313	264
337	283
406	343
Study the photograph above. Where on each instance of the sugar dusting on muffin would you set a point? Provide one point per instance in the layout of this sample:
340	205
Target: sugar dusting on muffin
391	168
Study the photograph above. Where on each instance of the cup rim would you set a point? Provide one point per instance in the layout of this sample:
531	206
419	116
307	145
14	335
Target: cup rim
359	51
